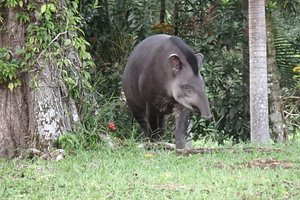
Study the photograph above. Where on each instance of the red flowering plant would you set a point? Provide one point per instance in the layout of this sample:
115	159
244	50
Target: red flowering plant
112	126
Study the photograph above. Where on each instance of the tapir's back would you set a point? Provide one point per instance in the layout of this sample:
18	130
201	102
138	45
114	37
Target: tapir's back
146	71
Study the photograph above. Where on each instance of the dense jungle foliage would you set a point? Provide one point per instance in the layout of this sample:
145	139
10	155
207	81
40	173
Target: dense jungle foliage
217	29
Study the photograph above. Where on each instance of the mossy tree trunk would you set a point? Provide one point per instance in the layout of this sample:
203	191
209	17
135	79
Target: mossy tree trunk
32	116
277	123
13	107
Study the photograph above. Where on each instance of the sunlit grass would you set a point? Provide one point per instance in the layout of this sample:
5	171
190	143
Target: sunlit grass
132	173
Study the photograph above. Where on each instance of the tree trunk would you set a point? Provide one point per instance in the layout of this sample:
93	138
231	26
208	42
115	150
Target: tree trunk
277	123
176	17
32	117
162	11
258	73
246	44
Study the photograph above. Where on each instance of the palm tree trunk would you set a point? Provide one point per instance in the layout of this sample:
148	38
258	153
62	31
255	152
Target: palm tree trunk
258	73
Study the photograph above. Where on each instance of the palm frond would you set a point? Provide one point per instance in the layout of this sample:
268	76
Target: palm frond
287	57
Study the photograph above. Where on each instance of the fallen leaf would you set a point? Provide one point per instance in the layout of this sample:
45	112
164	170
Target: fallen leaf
149	155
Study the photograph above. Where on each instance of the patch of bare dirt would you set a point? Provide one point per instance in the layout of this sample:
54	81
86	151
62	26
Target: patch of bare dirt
227	150
269	163
57	154
173	187
172	147
263	163
158	145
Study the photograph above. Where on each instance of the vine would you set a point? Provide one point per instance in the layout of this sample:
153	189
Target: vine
8	69
53	33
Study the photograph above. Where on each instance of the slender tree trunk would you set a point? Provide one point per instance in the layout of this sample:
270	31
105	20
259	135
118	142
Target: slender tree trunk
245	49
246	44
277	122
162	11
32	117
258	73
176	17
107	14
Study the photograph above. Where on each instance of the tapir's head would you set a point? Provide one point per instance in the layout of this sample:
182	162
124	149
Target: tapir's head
187	85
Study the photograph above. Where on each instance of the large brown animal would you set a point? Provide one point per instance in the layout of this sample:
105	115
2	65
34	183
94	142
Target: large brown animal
160	78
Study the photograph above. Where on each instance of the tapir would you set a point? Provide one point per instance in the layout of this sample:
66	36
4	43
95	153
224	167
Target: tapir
162	77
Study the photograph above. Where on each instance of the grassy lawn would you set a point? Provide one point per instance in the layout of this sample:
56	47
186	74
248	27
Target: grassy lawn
132	173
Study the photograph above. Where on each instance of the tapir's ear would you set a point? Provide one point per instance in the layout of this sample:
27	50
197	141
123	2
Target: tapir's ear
200	59
175	62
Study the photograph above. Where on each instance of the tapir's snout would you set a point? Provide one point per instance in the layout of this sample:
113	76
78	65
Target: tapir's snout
204	113
207	116
202	107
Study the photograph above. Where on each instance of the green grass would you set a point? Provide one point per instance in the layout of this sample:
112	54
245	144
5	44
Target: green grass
131	173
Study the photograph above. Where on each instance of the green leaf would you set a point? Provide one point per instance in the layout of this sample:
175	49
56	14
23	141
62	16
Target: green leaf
43	8
17	83
21	3
68	42
11	86
52	7
11	76
20	51
27	56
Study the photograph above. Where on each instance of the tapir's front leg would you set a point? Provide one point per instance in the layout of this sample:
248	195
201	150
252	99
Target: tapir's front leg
182	115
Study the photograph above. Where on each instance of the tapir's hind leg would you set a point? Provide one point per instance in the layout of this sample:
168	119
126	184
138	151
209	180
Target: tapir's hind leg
163	121
153	119
162	124
140	116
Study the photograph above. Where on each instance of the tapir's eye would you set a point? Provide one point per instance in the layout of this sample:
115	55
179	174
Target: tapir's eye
187	88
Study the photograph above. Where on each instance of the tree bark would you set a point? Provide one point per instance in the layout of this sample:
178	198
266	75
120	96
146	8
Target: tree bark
277	122
258	73
176	17
245	44
13	109
32	117
162	11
